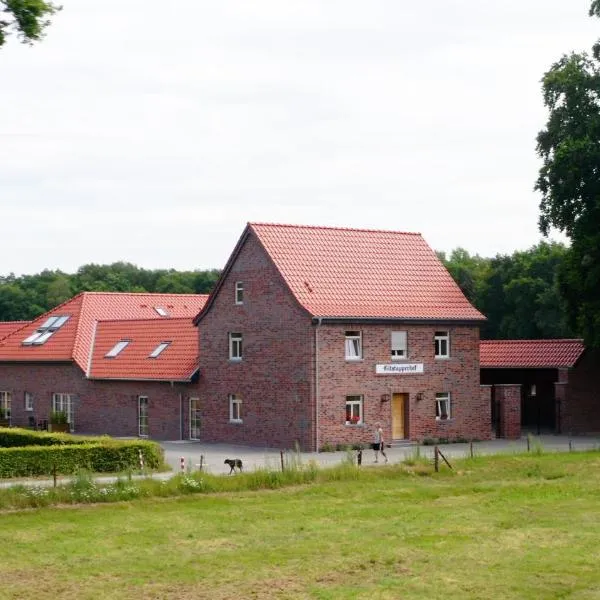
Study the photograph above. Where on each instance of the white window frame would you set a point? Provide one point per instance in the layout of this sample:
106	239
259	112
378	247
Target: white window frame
117	349
353	345
6	404
159	349
195	419
143	416
399	345
64	403
239	292
441	339
42	333
354	409
28	397
161	311
235	346
235	408
441	399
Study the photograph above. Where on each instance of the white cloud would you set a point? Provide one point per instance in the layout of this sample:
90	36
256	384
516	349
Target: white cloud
139	133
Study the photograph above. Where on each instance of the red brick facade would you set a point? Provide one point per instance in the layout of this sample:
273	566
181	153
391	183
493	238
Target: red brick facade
508	398
99	407
292	394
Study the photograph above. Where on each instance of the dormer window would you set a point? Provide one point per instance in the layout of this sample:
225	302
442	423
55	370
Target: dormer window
239	292
42	333
157	351
161	311
117	349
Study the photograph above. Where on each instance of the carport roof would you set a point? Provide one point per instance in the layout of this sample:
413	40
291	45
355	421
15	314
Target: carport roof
529	354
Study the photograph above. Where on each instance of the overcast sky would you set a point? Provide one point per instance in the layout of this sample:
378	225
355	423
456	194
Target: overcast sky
151	132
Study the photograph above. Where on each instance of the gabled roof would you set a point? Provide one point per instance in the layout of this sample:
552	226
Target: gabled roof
529	354
177	362
7	327
73	341
359	273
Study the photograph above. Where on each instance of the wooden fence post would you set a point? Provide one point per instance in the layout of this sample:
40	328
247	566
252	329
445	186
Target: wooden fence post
436	460
282	462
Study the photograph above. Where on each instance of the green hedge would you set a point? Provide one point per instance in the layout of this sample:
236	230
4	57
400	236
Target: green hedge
12	437
103	456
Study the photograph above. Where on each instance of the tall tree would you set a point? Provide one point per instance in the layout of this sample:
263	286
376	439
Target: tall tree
27	18
569	180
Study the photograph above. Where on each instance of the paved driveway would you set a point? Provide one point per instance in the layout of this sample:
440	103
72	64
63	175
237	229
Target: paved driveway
213	455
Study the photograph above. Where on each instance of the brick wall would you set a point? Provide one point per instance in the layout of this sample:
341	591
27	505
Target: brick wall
100	407
508	397
459	375
580	408
274	378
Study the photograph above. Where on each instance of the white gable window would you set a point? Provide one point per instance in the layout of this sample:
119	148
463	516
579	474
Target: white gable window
42	333
143	416
117	349
442	344
239	292
28	401
353	345
399	347
63	403
235	346
442	406
5	405
235	408
159	349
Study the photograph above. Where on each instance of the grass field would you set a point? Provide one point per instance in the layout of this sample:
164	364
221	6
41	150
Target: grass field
495	527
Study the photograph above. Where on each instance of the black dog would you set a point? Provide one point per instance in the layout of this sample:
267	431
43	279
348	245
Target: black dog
233	463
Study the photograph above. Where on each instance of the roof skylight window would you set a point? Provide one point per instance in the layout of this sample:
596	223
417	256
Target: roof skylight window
157	351
117	348
161	311
42	333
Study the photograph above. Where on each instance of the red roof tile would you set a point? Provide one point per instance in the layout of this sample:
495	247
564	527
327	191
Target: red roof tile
73	340
177	362
336	272
7	327
529	354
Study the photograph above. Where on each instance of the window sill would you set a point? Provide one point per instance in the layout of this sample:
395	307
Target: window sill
354	424
354	360
441	357
399	358
438	420
236	422
235	360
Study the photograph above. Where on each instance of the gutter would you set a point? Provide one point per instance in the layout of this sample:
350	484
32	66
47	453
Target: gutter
317	399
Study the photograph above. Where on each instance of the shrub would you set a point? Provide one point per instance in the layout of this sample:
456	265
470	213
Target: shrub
59	417
15	437
105	456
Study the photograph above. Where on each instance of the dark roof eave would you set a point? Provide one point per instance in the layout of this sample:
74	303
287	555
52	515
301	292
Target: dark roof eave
547	367
187	379
391	320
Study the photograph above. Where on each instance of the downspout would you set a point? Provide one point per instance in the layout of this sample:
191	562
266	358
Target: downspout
180	416
317	399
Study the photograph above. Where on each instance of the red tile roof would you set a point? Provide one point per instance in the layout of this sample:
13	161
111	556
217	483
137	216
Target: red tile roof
72	342
7	327
336	272
177	362
529	354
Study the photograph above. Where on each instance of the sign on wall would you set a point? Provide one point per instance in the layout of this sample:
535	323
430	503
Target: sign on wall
397	369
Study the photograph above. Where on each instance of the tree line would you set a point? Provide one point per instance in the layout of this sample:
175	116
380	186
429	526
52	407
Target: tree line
28	296
519	293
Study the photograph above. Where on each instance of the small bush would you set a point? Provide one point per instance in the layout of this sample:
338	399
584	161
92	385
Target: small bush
430	442
327	447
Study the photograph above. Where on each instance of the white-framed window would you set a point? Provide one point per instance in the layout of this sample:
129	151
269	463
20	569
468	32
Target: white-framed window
441	342
163	312
143	416
5	405
235	408
239	292
64	403
158	350
354	410
117	349
353	345
28	401
442	406
195	419
399	345
44	331
235	346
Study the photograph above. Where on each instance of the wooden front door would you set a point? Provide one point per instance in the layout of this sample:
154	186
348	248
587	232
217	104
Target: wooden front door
399	416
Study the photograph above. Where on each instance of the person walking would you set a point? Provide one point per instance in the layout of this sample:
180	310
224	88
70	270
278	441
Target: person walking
378	443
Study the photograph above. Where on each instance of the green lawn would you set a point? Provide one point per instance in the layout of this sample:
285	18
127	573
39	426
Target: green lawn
496	527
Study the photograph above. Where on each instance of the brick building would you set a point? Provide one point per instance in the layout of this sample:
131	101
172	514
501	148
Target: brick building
557	383
123	364
312	335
